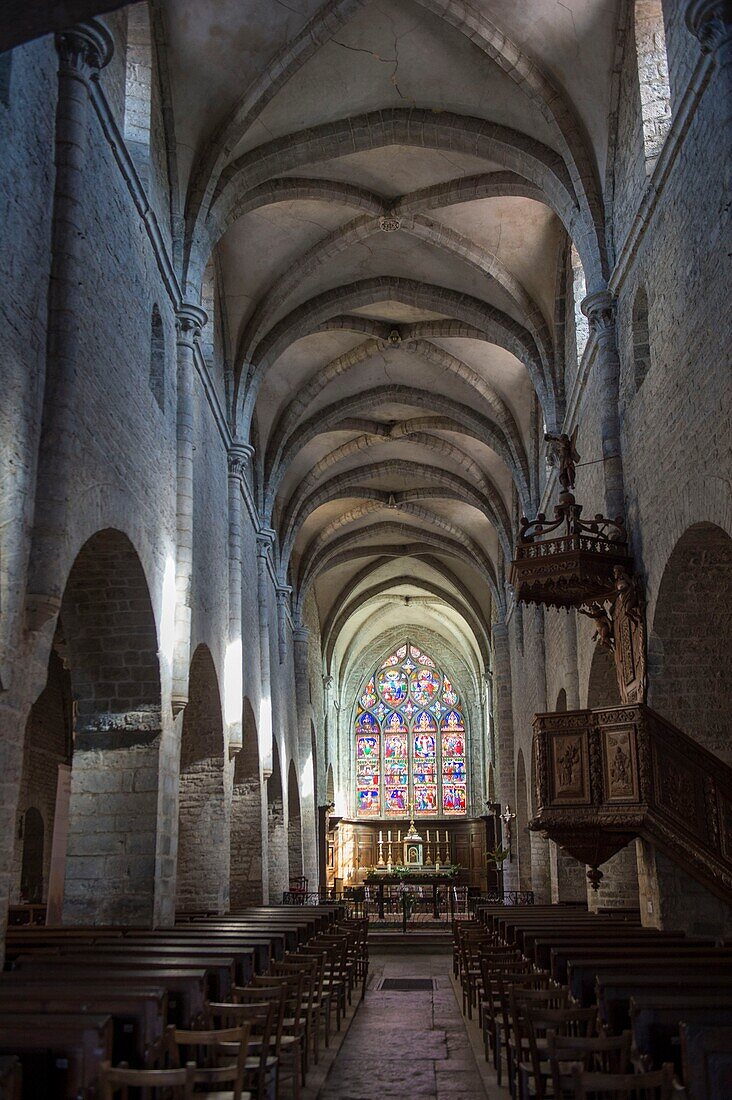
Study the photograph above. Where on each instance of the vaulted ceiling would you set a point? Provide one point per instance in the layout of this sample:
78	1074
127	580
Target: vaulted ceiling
388	187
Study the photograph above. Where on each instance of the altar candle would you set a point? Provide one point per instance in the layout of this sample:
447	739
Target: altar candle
389	835
381	838
428	836
399	837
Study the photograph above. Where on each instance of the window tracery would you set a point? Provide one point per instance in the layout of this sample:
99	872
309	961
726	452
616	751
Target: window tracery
410	740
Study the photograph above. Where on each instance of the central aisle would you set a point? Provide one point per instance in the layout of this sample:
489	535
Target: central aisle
412	1045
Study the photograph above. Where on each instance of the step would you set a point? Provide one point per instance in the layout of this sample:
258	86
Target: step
414	942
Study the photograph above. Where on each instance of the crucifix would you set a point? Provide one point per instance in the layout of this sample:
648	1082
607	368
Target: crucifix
507	817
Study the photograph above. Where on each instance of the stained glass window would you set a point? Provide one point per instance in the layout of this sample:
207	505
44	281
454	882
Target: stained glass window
410	740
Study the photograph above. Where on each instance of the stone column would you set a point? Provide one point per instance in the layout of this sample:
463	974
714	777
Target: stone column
540	854
190	321
711	22
505	771
599	308
83	51
265	540
239	458
284	591
307	783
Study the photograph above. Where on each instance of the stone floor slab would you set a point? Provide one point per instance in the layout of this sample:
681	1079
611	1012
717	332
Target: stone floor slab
410	1045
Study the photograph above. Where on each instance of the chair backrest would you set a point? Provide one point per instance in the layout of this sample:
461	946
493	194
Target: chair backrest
293	985
173	1084
538	1021
657	1085
598	1054
275	996
214	1050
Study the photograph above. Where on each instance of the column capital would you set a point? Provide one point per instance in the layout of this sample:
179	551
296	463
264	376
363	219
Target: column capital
265	540
189	322
283	593
599	309
239	457
711	22
85	48
300	634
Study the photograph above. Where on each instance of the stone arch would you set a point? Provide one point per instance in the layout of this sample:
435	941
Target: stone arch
246	818
203	815
523	839
294	824
561	703
690	668
474	314
32	863
641	337
112	652
277	839
47	745
602	687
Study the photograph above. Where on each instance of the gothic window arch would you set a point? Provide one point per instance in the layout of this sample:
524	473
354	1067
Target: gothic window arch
410	739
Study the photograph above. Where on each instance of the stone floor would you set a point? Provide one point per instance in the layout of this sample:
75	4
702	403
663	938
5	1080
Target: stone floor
410	1045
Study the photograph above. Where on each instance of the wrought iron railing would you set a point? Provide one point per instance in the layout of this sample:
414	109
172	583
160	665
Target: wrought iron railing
505	897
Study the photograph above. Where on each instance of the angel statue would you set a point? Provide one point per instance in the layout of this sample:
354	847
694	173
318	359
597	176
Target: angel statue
565	456
603	624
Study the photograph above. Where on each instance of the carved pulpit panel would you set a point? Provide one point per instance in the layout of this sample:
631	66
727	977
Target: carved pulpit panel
570	779
606	776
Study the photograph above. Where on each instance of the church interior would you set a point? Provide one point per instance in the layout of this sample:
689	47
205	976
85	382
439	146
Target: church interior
366	549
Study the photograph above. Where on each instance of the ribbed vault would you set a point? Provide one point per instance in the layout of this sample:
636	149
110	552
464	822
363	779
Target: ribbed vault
390	190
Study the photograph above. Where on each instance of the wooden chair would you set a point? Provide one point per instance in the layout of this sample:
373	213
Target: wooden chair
489	1008
522	996
326	996
599	1054
275	997
309	967
575	1023
168	1084
11	1077
506	981
212	1048
623	1086
262	1010
292	1042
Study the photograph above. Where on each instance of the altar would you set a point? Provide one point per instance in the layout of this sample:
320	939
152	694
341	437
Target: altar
406	876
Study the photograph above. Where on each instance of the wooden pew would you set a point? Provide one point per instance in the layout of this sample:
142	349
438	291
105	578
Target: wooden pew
139	1015
60	1054
584	954
706	1059
654	1020
219	970
583	975
615	988
186	989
